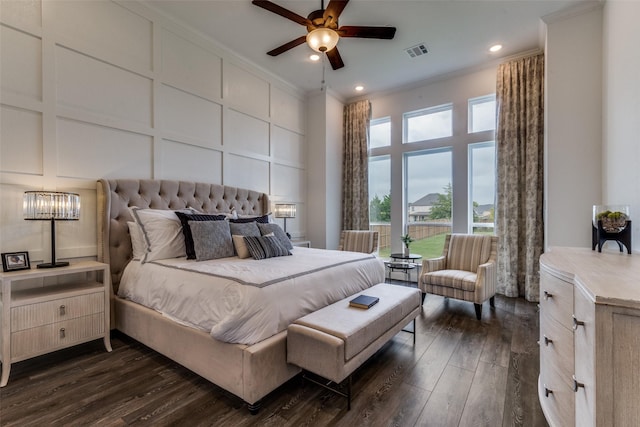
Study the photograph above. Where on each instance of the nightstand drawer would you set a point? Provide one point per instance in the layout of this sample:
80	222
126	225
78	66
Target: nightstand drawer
556	298
43	339
44	313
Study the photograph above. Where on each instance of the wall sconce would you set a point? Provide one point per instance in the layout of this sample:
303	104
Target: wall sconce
285	210
51	205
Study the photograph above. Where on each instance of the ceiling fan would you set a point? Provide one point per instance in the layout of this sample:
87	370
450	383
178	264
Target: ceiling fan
323	32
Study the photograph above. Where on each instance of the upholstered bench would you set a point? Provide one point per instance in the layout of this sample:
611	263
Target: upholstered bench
335	340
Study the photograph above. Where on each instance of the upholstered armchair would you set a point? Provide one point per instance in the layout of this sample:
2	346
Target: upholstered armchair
359	241
466	270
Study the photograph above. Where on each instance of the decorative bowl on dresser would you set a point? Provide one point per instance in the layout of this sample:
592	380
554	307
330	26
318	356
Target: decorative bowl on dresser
589	338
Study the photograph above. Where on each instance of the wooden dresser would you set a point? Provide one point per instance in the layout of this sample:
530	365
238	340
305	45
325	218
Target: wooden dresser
589	338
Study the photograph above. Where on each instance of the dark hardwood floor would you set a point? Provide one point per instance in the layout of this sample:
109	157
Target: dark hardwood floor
461	372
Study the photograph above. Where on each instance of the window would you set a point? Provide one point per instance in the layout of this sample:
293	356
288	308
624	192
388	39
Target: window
380	201
482	113
428	195
380	190
482	187
380	133
430	123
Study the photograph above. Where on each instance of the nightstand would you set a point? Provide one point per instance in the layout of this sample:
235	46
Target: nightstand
67	306
301	243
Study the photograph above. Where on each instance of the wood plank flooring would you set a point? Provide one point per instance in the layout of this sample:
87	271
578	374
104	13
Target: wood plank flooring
461	372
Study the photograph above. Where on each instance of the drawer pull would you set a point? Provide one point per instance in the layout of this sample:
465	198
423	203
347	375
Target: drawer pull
576	384
547	295
547	341
62	333
63	310
547	391
576	323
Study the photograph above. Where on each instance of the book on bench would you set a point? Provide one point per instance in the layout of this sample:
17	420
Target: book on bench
364	301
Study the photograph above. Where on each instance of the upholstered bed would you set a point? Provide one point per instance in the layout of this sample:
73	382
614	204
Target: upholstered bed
248	370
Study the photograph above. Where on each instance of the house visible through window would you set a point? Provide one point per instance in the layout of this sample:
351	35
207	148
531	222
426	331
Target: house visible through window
433	141
428	195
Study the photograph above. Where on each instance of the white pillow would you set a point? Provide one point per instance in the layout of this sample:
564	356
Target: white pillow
162	233
137	240
241	246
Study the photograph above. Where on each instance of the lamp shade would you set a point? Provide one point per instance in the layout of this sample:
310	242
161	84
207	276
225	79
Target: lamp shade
51	206
322	39
56	205
285	210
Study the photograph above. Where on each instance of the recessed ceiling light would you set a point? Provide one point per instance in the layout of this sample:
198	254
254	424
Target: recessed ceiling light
359	88
314	57
495	48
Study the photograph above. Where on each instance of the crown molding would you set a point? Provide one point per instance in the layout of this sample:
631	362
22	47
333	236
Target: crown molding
573	11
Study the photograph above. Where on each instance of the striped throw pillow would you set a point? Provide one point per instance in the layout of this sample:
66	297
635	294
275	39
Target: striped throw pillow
265	247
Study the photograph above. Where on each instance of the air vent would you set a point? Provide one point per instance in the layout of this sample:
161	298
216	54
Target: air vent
417	50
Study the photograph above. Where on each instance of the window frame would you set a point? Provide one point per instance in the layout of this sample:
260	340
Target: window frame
470	223
424	112
375	122
475	101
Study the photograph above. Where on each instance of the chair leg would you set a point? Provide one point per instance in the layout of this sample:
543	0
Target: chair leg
478	310
492	302
424	294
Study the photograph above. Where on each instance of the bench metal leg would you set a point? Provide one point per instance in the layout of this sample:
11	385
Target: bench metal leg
412	332
335	390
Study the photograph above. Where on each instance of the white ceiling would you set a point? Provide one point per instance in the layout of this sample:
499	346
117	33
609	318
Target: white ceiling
458	35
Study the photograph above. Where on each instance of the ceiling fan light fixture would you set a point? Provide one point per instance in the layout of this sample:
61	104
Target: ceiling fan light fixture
322	39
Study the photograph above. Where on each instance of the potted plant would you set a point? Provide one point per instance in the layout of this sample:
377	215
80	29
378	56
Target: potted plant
406	239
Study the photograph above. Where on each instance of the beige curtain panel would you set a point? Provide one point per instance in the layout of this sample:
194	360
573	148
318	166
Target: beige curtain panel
519	195
355	166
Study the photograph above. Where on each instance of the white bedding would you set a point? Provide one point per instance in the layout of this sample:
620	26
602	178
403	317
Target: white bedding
246	300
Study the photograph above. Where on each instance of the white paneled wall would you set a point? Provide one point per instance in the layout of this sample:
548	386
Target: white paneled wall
94	89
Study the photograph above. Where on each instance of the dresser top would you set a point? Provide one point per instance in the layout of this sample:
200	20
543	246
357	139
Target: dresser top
610	277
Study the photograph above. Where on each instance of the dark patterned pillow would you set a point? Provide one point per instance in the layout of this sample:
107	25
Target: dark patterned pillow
244	228
277	232
265	247
211	239
264	219
186	230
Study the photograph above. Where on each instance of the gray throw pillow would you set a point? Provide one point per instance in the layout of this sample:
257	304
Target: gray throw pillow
211	239
277	232
244	229
265	247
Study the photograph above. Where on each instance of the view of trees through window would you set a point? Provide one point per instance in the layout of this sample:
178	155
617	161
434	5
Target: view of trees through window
427	176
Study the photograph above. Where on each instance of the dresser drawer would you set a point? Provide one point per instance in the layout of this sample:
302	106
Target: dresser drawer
556	346
43	339
556	298
44	313
558	403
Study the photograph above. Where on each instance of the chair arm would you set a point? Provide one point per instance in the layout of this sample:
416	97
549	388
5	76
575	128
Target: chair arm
434	264
486	282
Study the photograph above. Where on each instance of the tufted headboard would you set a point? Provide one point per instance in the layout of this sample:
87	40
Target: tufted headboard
116	196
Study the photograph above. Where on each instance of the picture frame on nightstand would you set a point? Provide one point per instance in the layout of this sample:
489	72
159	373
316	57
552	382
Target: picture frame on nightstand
14	261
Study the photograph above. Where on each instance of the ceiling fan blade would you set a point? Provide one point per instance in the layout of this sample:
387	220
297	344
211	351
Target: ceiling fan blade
285	47
279	10
335	59
367	32
334	9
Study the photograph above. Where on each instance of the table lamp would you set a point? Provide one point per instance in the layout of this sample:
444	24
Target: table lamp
285	210
52	206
